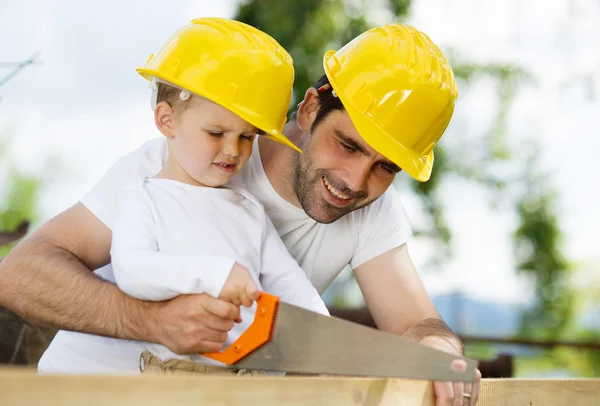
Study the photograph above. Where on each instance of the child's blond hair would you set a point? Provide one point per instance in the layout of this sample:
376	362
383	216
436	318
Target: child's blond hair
170	94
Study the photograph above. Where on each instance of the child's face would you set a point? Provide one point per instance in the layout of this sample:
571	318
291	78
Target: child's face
209	143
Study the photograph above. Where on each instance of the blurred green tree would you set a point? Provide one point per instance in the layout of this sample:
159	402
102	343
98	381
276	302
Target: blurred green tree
538	254
18	195
306	29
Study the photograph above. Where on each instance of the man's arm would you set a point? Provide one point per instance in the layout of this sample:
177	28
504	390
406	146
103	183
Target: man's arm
400	304
47	280
398	300
48	272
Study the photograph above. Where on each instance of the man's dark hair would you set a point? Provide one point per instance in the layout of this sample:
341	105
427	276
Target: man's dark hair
327	101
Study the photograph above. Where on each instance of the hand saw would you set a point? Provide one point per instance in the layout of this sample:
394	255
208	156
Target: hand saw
287	338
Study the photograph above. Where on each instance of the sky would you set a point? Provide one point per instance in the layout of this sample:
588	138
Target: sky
70	118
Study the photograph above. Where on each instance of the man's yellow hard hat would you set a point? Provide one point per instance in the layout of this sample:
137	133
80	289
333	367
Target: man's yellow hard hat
399	91
232	64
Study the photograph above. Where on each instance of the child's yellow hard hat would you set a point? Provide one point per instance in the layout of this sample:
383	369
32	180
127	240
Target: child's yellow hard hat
232	64
399	91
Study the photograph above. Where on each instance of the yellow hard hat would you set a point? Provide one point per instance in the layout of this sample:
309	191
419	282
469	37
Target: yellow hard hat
232	64
399	91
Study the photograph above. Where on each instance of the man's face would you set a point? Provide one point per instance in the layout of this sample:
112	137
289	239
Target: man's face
338	171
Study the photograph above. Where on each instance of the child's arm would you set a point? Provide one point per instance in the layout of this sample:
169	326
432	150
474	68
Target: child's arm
143	272
281	275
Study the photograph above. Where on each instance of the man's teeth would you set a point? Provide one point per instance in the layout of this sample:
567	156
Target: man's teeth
335	192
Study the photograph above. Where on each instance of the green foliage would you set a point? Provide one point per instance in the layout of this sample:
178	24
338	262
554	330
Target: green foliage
480	351
307	29
19	200
537	243
400	7
560	361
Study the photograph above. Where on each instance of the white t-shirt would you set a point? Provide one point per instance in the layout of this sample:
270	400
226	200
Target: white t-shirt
321	250
172	238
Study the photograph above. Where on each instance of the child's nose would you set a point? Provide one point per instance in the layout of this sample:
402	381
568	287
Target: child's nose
231	148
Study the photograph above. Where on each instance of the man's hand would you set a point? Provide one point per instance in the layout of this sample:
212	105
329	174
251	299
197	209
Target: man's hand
191	324
239	288
453	393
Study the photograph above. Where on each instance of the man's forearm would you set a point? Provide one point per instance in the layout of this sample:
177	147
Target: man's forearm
433	328
48	285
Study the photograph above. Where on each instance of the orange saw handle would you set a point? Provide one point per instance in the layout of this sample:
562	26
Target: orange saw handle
259	332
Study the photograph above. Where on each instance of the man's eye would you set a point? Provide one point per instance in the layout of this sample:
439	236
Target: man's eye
386	169
347	147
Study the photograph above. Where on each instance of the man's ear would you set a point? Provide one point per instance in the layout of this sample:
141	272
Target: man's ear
164	118
307	109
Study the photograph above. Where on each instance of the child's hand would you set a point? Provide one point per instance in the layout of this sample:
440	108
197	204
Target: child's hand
239	288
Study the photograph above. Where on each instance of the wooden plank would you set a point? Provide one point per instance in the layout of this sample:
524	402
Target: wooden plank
23	387
18	387
540	392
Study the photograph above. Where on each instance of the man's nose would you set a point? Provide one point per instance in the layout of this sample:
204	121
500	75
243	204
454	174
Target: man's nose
357	176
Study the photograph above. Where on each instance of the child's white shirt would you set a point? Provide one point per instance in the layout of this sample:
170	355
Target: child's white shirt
172	238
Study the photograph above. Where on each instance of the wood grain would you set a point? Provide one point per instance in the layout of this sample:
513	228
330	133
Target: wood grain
540	392
20	386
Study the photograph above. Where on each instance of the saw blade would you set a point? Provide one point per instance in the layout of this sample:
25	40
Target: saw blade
310	343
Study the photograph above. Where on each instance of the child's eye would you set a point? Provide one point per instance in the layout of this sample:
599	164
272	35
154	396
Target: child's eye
247	137
215	133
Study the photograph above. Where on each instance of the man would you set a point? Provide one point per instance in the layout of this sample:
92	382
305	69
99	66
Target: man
385	101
